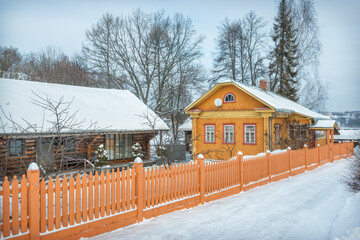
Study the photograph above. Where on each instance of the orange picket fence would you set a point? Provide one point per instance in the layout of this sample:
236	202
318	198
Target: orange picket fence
88	205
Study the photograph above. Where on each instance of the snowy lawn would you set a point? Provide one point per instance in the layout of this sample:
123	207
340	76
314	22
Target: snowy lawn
313	205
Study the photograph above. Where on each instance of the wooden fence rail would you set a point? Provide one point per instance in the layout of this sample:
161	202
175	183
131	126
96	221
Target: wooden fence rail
87	205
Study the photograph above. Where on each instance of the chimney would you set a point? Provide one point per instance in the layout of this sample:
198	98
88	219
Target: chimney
263	84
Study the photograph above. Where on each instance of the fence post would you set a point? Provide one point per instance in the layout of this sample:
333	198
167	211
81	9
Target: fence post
33	175
340	146
200	160
306	157
332	146
240	158
290	160
139	187
352	147
319	156
268	157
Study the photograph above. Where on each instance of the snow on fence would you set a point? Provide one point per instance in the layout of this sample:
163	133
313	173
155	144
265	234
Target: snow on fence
93	204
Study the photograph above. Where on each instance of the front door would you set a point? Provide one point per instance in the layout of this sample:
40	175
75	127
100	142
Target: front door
45	154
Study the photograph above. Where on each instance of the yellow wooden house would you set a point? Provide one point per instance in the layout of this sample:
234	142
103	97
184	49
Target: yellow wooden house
234	117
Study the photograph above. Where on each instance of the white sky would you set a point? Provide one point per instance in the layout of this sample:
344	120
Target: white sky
31	25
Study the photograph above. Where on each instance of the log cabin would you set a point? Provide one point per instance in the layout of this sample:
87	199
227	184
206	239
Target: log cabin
234	117
58	126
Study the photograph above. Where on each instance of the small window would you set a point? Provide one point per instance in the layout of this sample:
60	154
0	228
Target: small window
249	132
16	147
228	133
210	133
229	98
323	134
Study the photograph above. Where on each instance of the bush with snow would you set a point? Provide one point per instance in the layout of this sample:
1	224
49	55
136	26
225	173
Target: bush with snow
352	177
161	151
137	151
102	157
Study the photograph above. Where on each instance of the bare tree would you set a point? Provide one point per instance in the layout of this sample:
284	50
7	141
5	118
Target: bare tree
52	65
149	49
313	92
97	50
10	62
240	49
58	134
352	175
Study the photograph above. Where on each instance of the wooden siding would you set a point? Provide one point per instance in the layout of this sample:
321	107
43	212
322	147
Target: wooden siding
243	101
85	144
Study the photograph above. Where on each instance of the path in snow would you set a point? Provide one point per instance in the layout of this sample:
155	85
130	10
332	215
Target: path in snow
301	207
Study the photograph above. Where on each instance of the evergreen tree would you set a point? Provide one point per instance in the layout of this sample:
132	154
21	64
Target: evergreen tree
102	157
284	57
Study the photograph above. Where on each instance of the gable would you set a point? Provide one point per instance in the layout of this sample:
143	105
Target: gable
243	101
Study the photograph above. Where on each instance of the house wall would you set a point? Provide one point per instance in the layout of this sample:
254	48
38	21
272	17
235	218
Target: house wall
245	110
242	100
221	150
85	145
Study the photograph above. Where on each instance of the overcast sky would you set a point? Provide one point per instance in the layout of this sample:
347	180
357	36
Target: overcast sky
31	25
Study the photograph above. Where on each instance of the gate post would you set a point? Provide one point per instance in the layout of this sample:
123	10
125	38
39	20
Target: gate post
139	188
33	174
268	157
319	156
200	160
290	160
306	157
240	158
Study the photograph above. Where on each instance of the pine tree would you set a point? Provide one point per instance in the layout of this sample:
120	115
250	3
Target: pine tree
137	151
284	56
102	157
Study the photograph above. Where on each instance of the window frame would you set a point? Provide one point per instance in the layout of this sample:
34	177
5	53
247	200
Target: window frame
126	149
224	135
255	135
16	153
229	93
205	133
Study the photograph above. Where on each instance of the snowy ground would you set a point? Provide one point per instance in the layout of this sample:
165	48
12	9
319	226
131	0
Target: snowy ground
313	205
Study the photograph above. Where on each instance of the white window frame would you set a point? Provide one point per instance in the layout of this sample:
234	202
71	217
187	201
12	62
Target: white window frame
232	95
210	133
250	132
229	133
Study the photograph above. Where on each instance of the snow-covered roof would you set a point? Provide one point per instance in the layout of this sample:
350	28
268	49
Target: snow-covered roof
186	126
110	109
280	103
348	134
324	124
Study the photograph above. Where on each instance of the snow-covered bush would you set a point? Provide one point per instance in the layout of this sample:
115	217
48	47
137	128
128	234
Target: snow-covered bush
161	151
137	151
102	157
352	177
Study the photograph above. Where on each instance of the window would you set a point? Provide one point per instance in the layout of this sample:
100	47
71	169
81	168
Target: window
210	133
110	146
323	134
298	131
229	98
249	134
119	146
277	133
229	133
320	134
128	146
16	147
